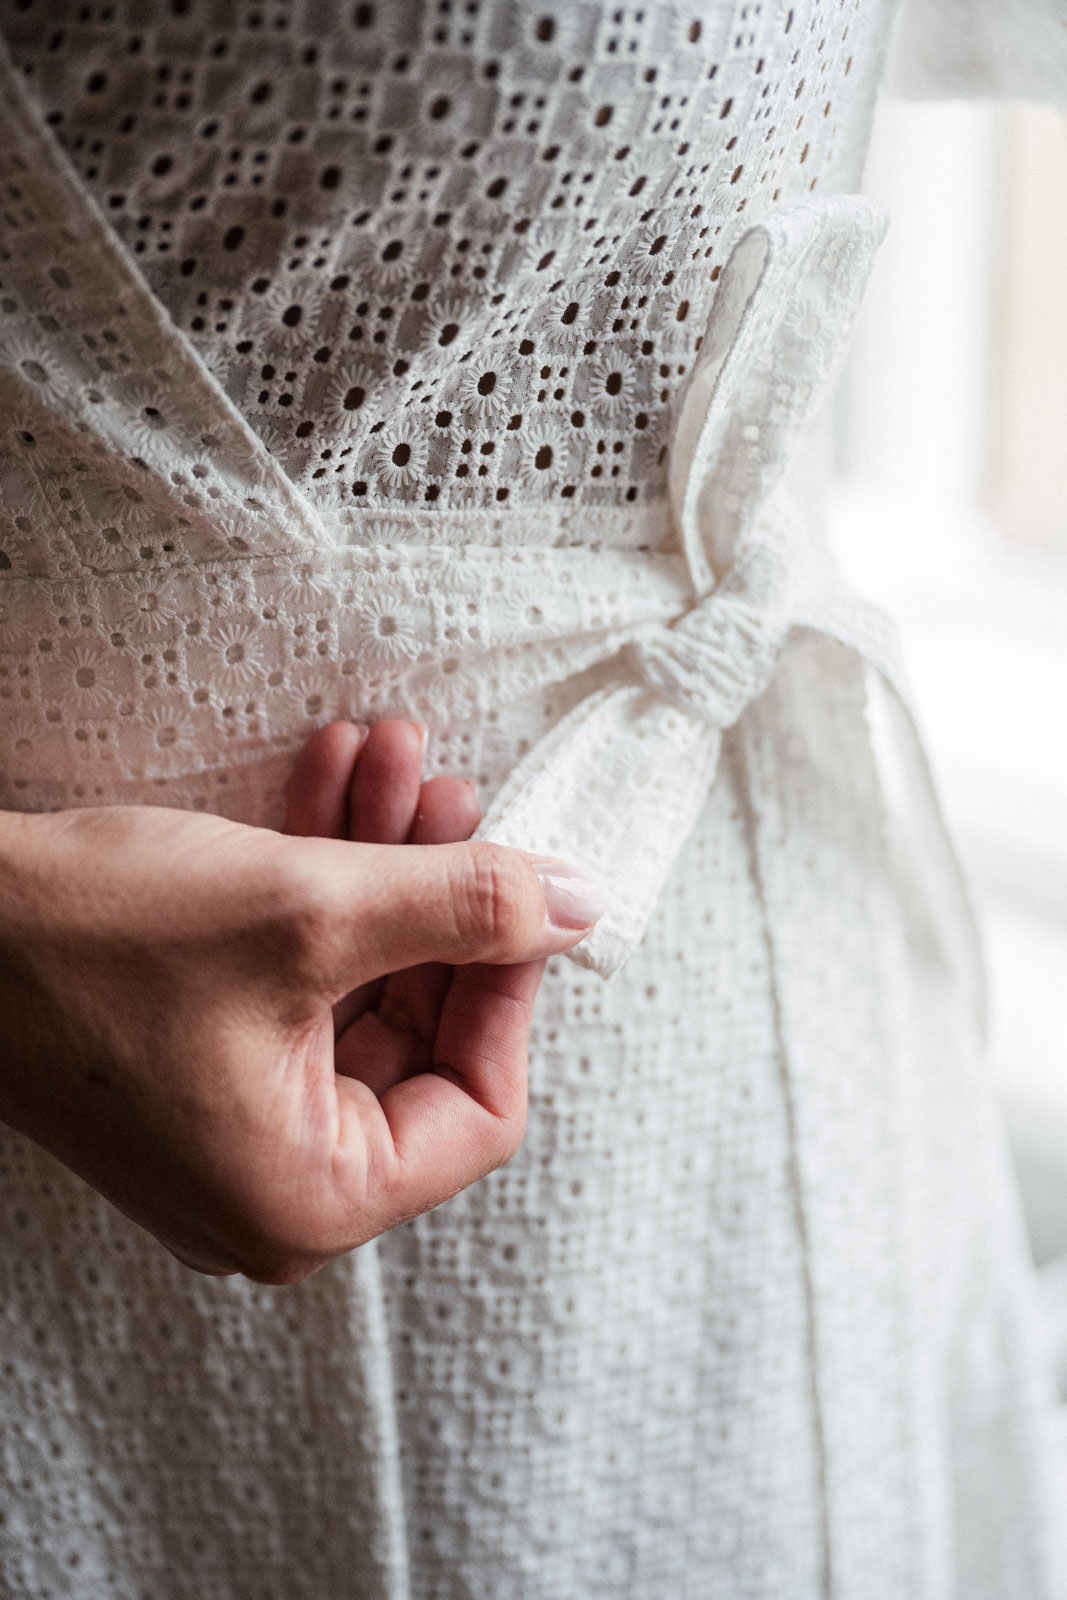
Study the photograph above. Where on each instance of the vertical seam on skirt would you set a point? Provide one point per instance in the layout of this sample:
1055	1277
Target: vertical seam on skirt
380	1396
738	744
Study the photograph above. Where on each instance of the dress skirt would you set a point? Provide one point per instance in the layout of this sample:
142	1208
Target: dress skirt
747	1316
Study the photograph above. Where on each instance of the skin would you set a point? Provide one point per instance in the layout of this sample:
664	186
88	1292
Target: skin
268	1048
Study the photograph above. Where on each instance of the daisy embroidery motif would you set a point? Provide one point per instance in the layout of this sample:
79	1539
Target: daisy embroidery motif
503	174
124	505
282	319
145	415
545	458
307	585
557	323
29	427
482	390
400	457
13	624
453	321
442	89
312	699
278	435
147	612
544	254
651	256
608	381
236	653
28	355
232	532
23	735
382	530
387	630
345	401
86	675
630	182
169	728
383	259
803	320
17	551
520	613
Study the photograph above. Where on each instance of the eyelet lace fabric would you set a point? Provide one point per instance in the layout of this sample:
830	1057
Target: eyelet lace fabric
438	264
452	256
358	388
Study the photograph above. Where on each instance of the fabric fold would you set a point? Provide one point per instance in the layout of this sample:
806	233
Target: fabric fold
131	390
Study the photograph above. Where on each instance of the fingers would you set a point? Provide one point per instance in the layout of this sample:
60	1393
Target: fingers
382	805
351	781
484	1034
381	1052
433	1134
447	813
316	794
358	783
374	909
394	1042
384	791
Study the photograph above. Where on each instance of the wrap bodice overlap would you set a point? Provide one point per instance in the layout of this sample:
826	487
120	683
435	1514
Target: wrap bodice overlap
689	632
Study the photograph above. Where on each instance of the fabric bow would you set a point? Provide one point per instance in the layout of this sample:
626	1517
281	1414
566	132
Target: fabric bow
723	653
620	781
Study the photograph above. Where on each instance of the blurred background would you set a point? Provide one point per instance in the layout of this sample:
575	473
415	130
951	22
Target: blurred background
950	507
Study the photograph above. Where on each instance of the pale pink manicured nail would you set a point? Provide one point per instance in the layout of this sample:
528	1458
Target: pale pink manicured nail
574	898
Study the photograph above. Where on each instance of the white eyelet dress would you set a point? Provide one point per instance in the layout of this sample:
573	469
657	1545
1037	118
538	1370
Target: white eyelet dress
455	359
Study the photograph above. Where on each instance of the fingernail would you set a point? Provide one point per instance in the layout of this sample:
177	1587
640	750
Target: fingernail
362	729
574	898
420	729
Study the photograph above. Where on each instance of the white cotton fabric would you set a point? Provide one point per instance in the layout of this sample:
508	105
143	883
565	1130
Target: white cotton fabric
350	370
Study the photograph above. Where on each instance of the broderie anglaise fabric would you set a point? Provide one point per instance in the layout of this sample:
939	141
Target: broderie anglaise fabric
451	264
216	657
447	256
763	361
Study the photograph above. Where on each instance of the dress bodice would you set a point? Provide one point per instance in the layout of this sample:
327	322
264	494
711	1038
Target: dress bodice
451	254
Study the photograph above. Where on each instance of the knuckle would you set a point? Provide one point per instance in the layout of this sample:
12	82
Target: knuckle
501	1118
489	897
503	1140
303	903
512	1133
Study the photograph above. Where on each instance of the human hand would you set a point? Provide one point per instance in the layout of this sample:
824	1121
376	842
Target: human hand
351	782
167	982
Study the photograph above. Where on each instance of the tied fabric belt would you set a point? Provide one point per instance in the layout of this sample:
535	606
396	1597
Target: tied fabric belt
693	632
619	783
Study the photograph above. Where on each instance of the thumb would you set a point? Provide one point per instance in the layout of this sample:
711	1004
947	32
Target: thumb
395	906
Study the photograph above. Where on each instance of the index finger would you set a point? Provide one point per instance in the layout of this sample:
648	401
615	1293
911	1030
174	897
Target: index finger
439	1131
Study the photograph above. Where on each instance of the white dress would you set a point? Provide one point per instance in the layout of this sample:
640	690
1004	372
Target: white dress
432	357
